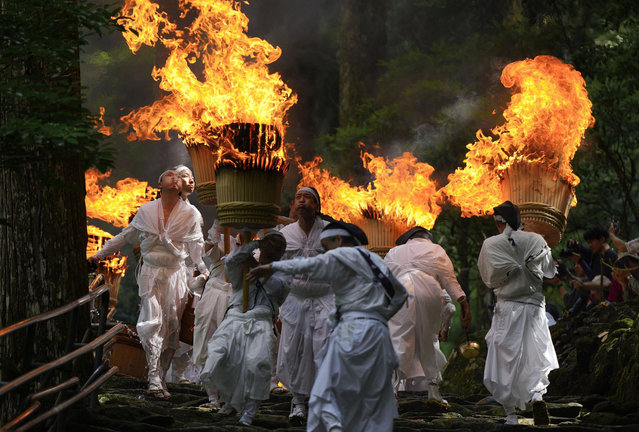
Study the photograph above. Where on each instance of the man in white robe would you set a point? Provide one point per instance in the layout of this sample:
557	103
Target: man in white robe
239	361
305	312
353	389
168	231
520	350
424	268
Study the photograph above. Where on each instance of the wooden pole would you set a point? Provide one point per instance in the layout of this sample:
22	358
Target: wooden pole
227	241
246	237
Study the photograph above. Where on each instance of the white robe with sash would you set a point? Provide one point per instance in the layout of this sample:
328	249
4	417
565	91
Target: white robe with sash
304	314
161	278
424	268
353	388
520	350
239	362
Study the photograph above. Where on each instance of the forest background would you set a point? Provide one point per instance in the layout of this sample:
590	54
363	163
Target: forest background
404	75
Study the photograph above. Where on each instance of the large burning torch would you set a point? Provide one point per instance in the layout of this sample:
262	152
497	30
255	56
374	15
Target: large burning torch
400	194
222	101
528	162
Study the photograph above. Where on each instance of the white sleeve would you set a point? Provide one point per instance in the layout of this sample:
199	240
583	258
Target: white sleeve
633	246
324	267
446	277
129	235
196	250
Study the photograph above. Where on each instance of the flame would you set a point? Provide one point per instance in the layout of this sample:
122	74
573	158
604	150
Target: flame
116	264
115	205
215	74
100	126
402	192
546	120
340	200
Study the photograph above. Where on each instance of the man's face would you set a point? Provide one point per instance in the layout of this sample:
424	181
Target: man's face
305	204
171	181
188	183
271	249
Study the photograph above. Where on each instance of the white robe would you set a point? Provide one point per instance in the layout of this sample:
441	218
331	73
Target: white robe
420	265
239	362
162	276
415	332
304	314
210	311
520	350
353	389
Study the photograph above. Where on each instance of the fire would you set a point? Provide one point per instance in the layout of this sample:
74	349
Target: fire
401	193
116	264
215	74
546	120
115	205
100	126
340	200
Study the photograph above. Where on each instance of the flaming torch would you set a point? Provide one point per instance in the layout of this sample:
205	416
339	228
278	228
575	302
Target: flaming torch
114	205
529	161
400	195
220	97
223	102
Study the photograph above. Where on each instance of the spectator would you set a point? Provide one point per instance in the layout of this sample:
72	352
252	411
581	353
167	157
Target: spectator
598	249
628	266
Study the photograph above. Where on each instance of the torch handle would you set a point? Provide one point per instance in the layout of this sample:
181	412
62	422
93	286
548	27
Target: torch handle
246	237
227	241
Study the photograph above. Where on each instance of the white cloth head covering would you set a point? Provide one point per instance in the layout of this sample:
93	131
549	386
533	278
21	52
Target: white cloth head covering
315	194
162	175
334	232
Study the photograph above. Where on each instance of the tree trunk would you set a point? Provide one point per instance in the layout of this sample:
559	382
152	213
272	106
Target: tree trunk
42	228
362	46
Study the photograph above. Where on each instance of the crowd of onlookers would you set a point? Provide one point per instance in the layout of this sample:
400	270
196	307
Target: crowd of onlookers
596	273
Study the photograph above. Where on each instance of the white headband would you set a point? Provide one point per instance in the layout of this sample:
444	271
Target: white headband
312	192
162	175
500	219
181	168
334	232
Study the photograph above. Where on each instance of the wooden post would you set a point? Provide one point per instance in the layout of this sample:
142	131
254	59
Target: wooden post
246	237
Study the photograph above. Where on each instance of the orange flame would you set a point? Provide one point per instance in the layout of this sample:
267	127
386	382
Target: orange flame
402	192
546	120
96	239
214	75
100	126
115	205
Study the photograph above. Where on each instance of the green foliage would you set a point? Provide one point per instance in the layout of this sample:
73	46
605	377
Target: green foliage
608	167
40	88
